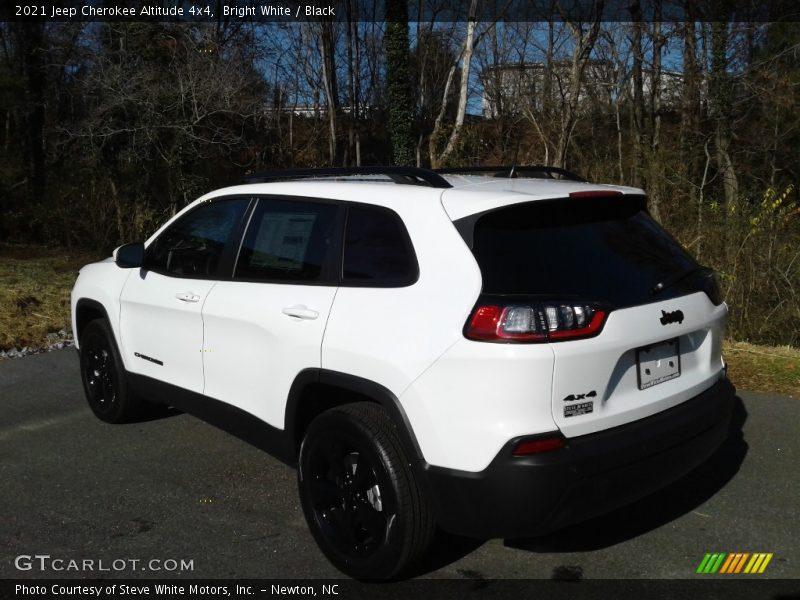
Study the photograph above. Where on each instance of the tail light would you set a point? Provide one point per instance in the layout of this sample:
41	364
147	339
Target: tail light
535	322
540	444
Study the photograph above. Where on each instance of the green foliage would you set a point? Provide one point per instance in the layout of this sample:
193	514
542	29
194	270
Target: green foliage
774	211
398	84
761	272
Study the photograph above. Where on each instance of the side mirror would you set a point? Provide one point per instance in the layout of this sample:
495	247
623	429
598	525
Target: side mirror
129	255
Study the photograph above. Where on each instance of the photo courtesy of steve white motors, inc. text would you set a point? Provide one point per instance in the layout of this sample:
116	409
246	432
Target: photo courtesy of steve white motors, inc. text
170	589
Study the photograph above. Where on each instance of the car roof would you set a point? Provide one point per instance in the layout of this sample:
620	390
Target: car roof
469	194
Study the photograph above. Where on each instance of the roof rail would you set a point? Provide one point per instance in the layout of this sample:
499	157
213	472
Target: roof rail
401	175
535	171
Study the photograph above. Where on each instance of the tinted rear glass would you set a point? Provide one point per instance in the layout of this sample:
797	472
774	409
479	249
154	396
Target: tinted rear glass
603	249
377	250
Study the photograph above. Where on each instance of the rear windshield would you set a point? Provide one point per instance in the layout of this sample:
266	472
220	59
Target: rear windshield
601	249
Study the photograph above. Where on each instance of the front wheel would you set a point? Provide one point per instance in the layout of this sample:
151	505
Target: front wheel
359	494
103	375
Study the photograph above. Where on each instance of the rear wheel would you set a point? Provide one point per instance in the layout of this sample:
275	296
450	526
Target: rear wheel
103	375
359	494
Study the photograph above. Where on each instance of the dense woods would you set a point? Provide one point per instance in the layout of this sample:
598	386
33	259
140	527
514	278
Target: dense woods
108	128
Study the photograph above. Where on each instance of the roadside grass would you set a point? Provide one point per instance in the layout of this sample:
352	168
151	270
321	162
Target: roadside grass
774	369
35	284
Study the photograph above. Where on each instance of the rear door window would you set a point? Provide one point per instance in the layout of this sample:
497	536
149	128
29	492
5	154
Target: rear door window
289	241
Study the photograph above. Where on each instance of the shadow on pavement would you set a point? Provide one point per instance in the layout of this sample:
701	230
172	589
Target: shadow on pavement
448	548
153	412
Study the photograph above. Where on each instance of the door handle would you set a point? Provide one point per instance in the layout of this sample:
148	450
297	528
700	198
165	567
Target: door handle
187	297
300	311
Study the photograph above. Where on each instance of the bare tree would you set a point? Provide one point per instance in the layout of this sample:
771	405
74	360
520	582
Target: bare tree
433	58
353	75
195	108
31	47
327	45
721	103
637	113
585	36
656	164
438	159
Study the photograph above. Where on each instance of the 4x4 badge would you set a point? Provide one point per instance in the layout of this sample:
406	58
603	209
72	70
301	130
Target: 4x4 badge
675	316
573	397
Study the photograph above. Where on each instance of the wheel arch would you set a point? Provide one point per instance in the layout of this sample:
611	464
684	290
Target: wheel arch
87	310
316	390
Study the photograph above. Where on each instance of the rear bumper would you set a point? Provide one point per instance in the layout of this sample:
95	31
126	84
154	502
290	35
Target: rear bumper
596	473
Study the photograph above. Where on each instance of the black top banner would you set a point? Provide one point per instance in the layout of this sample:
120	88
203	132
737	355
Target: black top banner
267	11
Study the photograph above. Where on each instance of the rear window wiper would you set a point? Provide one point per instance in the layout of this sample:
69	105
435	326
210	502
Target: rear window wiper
676	277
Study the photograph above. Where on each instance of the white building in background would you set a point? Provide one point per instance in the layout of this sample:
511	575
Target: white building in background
512	89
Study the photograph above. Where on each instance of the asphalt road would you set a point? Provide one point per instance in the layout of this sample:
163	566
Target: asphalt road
178	489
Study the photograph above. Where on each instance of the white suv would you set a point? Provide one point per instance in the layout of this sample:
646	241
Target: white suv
496	353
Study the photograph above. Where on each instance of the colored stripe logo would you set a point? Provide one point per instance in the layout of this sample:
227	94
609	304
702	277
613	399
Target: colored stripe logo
734	563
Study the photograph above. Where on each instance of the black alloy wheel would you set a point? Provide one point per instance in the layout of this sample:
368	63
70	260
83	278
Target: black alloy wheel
103	375
359	495
99	375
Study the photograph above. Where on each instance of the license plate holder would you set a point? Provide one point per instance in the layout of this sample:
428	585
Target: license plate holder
658	363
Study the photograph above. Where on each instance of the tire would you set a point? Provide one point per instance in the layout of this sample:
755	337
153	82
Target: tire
103	375
359	495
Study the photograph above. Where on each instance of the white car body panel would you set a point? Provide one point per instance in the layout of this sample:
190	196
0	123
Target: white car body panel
391	335
607	363
476	397
252	350
156	325
101	282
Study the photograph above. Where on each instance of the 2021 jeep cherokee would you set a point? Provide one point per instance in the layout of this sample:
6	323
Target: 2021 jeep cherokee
497	355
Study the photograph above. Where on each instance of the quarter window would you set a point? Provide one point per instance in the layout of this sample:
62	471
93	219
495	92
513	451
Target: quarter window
193	246
377	251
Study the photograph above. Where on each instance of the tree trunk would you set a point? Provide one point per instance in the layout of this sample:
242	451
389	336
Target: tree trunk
656	170
463	94
688	163
438	123
721	98
638	94
584	44
353	53
547	87
31	44
329	80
